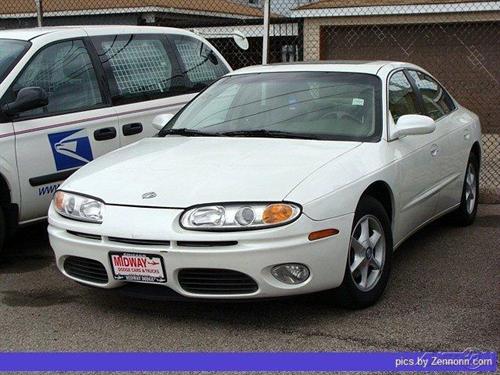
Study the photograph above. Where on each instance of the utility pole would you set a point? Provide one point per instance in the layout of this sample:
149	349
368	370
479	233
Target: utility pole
265	42
39	12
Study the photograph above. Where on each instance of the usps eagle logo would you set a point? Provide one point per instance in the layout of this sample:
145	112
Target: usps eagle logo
71	149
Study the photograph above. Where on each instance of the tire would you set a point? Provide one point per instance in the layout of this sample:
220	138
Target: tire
465	214
354	292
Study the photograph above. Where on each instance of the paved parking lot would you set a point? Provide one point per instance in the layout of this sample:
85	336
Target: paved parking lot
443	295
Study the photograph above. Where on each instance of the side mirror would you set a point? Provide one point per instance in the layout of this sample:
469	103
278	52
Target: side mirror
27	98
241	40
414	125
160	121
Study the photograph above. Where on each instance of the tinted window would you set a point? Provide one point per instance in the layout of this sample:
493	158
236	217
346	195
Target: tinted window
139	67
65	71
201	64
437	102
341	106
402	99
10	51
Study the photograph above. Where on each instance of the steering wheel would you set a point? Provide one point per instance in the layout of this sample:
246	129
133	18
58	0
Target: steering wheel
339	115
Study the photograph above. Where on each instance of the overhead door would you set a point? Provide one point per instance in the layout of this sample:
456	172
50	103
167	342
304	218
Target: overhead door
460	55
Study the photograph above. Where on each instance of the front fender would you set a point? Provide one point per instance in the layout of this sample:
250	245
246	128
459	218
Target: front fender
336	188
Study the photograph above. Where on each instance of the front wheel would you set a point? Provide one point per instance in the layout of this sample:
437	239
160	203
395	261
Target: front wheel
369	256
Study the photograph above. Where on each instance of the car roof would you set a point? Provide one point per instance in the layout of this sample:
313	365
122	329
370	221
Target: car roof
348	66
21	34
31	33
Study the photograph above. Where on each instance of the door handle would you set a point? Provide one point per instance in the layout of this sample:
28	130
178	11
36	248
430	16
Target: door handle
131	129
434	150
104	134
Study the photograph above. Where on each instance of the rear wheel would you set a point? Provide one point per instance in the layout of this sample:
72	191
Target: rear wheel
466	212
369	256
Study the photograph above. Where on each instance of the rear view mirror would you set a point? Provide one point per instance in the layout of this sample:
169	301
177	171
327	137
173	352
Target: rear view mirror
27	98
414	125
212	58
160	121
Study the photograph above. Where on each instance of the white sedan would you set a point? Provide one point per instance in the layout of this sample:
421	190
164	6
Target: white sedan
276	180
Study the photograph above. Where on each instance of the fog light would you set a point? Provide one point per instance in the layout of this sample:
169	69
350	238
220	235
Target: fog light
292	273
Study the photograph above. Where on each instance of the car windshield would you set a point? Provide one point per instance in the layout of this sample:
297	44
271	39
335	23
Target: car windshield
10	51
311	105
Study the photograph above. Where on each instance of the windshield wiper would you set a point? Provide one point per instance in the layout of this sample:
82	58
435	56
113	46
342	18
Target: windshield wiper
187	133
268	134
262	133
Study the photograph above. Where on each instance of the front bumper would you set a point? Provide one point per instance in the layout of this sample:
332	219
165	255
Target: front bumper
254	255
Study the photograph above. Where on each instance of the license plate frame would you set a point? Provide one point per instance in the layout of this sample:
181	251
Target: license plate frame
149	264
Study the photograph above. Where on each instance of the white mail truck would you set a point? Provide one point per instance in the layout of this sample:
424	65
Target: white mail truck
71	94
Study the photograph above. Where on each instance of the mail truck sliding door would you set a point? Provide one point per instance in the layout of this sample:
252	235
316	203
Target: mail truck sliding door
78	124
144	79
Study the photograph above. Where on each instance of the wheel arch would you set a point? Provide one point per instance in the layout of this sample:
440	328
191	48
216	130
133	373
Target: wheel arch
381	191
476	150
10	210
5	197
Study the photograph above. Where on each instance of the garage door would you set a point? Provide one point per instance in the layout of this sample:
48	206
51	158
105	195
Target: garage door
463	56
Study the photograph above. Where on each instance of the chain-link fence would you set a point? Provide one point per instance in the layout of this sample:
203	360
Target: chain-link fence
458	41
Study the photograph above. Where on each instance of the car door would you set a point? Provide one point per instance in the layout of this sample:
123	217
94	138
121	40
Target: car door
76	126
453	137
146	80
417	160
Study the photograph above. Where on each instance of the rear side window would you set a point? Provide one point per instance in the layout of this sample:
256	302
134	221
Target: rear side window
65	71
138	67
437	102
201	66
402	98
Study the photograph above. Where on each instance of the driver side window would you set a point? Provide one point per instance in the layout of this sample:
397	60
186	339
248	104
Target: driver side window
402	98
64	70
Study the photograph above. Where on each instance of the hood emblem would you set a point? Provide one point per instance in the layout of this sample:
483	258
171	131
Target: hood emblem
149	195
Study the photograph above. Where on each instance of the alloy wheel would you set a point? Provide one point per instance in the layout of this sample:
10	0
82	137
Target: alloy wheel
367	253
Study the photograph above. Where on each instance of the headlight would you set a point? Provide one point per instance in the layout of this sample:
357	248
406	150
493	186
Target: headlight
239	216
77	207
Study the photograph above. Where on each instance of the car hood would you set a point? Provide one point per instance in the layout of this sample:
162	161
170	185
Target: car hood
185	171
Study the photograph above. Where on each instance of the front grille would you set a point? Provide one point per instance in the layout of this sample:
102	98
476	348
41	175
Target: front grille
133	241
86	269
85	235
215	281
206	243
